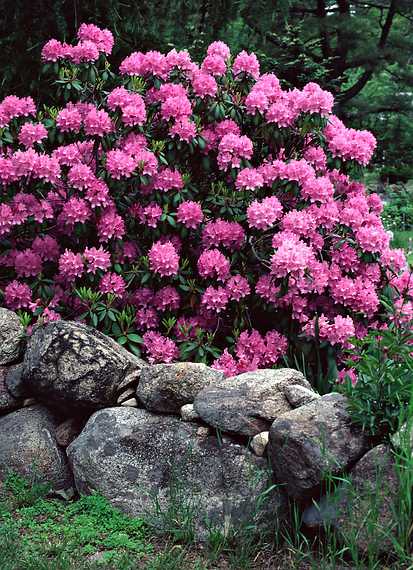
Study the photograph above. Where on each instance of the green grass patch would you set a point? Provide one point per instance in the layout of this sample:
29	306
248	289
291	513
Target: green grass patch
37	533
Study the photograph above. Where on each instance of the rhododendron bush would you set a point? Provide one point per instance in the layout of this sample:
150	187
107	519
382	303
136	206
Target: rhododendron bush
192	211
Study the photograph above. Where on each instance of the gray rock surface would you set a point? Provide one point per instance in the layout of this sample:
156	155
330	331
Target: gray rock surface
28	447
167	387
11	337
248	404
8	402
13	379
137	460
76	367
299	395
307	443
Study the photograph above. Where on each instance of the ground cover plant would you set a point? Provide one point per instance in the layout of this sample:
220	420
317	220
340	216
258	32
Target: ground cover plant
192	211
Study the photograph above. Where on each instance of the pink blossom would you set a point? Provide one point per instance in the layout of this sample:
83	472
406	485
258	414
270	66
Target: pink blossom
112	283
69	119
246	63
219	48
316	100
103	39
215	299
150	215
232	148
97	123
262	215
249	179
214	64
110	225
212	263
27	263
31	133
237	287
120	164
291	256
176	108
96	258
159	348
17	295
220	232
146	318
167	298
46	247
163	259
75	210
184	129
189	214
204	84
81	176
70	265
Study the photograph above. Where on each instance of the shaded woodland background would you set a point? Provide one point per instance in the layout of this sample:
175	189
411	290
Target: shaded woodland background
361	51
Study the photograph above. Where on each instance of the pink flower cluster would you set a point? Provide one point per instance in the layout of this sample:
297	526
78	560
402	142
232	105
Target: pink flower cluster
180	204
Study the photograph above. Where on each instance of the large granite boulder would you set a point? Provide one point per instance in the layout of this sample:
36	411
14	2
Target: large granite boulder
146	464
248	404
76	367
28	447
168	387
11	337
312	441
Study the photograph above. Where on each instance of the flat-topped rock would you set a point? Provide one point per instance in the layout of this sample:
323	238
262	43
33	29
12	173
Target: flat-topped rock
248	404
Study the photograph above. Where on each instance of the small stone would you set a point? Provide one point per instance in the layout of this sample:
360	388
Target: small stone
11	337
29	402
203	431
259	443
188	413
126	395
131	403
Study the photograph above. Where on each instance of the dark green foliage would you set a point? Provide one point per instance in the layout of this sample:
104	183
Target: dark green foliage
384	388
38	533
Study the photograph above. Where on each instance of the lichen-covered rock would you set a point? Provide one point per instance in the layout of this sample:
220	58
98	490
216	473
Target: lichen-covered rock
76	367
138	460
11	337
8	402
28	447
309	442
248	404
13	379
167	387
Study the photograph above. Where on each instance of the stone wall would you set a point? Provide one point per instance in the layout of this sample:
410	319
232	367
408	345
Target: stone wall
80	412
